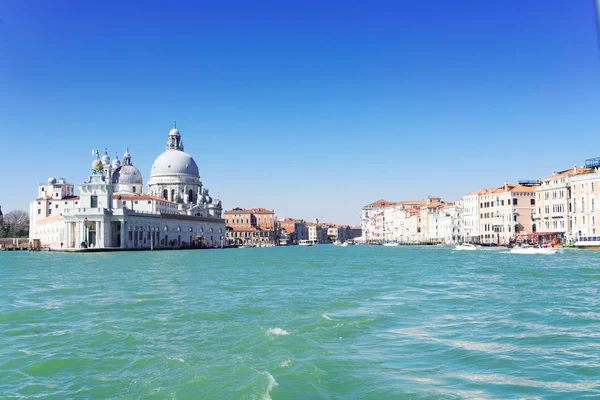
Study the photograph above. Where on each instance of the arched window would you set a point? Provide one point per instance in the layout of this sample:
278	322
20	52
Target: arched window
166	194
172	194
191	194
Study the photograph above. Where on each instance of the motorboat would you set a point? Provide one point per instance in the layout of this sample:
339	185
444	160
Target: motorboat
305	243
391	244
337	243
345	244
528	249
465	247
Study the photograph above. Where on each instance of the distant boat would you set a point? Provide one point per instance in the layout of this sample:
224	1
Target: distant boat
345	244
588	242
465	247
337	243
391	244
528	249
305	243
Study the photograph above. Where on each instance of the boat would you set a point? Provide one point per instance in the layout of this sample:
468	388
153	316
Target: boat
345	244
528	249
391	244
588	242
305	243
465	247
337	243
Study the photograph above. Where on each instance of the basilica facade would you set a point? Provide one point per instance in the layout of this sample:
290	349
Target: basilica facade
112	211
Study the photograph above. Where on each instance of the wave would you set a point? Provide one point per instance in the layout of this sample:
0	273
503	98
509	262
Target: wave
327	317
286	363
277	331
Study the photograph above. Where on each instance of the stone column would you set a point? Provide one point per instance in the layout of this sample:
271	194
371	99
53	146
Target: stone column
123	233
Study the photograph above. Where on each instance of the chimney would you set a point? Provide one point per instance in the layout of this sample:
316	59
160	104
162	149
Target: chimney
505	185
575	168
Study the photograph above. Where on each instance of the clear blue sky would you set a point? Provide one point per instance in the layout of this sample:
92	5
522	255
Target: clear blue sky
312	108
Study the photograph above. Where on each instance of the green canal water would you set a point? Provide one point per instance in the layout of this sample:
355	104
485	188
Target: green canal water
322	322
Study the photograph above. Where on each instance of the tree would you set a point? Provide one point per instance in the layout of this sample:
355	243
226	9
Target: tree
16	224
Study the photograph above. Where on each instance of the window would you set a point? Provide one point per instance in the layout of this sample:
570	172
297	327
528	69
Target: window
134	189
39	211
49	211
94	201
136	202
533	202
515	202
56	206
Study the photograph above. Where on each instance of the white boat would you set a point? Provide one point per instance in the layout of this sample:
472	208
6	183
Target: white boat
465	247
337	243
588	242
344	244
305	243
391	244
527	249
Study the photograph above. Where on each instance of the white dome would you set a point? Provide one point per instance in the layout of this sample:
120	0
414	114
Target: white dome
127	174
174	132
174	162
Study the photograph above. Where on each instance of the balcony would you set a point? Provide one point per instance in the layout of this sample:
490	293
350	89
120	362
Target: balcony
558	214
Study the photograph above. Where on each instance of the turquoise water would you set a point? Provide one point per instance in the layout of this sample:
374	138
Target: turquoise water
322	322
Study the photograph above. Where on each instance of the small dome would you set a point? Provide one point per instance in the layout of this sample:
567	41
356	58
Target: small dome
96	165
105	158
51	180
116	163
174	132
127	174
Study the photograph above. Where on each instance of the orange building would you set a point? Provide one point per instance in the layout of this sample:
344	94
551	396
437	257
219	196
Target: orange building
255	226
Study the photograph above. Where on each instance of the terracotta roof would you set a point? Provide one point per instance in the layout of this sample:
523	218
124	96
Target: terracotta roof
415	202
511	187
381	203
568	172
258	210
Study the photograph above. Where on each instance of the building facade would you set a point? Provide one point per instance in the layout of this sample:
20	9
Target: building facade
112	212
254	226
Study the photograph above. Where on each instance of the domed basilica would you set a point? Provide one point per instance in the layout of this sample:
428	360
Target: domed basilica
112	211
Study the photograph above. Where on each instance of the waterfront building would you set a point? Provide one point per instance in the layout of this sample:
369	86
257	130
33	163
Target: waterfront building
585	195
431	219
451	223
400	226
552	216
506	213
317	233
255	226
368	212
294	230
112	212
354	231
470	216
337	233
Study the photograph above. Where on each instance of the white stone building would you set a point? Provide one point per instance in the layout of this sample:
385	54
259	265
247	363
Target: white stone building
585	209
470	216
112	212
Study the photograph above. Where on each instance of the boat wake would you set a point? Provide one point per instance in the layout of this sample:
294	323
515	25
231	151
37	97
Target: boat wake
272	384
